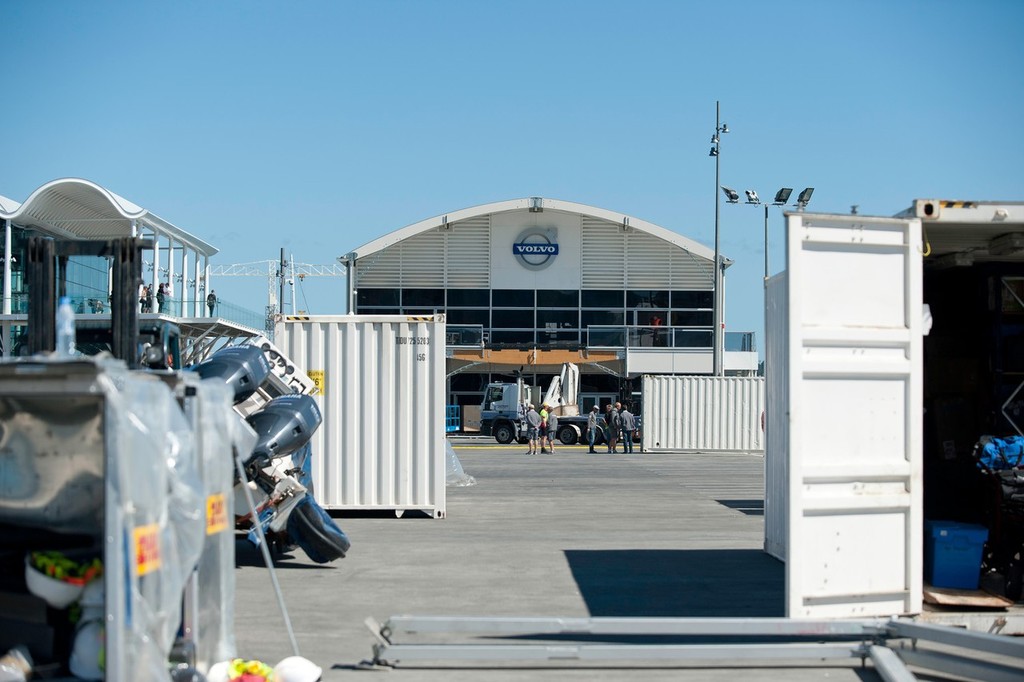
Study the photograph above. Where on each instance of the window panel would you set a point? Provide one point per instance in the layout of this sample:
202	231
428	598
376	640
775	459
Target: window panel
644	317
423	297
693	299
692	339
557	318
499	336
602	317
469	298
512	298
521	319
558	298
692	318
602	298
646	299
377	297
457	316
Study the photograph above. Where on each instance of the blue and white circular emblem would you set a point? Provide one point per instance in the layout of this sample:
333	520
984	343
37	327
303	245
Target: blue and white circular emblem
536	247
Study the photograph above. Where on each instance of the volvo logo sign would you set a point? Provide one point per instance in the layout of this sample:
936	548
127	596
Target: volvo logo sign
536	247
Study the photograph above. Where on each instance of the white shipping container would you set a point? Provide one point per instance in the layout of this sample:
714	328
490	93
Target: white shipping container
843	479
380	381
702	413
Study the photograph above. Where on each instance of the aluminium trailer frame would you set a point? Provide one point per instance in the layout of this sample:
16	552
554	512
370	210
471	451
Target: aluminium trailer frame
891	644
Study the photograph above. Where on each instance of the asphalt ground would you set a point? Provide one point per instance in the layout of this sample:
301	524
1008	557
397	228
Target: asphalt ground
567	535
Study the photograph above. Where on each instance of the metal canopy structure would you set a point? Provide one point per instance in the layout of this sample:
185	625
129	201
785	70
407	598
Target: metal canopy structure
73	208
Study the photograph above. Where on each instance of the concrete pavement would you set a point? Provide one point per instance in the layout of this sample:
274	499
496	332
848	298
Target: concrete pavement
570	535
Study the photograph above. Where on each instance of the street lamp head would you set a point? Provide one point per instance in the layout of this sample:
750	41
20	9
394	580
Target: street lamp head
725	128
713	152
730	195
714	139
752	197
804	197
782	196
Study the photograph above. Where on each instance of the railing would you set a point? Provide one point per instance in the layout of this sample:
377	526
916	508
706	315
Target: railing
648	337
475	336
91	305
471	335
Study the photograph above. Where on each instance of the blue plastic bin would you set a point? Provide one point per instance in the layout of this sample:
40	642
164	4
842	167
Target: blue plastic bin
952	553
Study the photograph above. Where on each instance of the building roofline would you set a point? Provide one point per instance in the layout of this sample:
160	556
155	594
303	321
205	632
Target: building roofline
392	238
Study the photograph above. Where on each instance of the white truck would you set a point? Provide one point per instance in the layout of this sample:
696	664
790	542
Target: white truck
503	412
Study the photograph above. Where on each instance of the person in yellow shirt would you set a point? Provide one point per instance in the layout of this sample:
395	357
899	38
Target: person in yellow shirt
543	428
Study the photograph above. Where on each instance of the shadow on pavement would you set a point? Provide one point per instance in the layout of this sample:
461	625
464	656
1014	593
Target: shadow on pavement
679	583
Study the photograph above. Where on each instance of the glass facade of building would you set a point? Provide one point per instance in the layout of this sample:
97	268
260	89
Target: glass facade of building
558	318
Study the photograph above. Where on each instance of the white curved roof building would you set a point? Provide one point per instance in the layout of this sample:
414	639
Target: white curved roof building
536	282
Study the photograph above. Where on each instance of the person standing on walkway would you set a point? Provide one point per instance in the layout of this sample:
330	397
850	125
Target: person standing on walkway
161	296
552	430
543	427
211	301
628	428
593	424
612	419
532	428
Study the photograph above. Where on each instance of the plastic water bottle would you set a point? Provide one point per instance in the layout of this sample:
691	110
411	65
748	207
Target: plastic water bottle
65	328
15	665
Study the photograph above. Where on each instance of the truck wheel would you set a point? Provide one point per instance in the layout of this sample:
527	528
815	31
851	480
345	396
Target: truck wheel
503	433
568	435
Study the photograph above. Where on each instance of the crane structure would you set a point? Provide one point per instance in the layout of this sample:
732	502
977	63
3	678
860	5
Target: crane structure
277	272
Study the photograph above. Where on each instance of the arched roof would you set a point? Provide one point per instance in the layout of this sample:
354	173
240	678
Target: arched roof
675	238
73	208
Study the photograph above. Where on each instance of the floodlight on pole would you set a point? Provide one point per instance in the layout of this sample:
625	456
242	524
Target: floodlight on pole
781	197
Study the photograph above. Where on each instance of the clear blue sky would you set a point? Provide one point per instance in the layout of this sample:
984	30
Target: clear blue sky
317	126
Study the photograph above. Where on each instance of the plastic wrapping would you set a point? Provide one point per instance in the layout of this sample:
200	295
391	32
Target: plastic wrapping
455	475
218	427
111	454
155	508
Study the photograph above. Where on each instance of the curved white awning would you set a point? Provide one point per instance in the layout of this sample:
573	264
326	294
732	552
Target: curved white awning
73	208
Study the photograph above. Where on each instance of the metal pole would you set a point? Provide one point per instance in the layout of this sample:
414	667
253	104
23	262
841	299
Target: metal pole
766	242
716	338
280	282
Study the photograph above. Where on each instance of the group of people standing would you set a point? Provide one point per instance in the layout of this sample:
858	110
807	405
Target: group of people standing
146	297
616	423
163	293
542	428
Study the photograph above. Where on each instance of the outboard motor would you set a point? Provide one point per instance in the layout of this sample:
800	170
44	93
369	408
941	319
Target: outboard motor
287	512
242	368
283	425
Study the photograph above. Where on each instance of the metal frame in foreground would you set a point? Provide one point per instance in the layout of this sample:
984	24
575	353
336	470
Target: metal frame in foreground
891	644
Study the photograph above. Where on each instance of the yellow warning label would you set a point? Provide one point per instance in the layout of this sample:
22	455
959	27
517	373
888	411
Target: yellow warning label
317	375
216	514
147	548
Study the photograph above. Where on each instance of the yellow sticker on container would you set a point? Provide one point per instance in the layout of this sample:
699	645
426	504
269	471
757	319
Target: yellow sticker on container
147	548
317	375
216	514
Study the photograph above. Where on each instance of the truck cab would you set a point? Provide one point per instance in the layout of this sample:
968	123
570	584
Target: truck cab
503	411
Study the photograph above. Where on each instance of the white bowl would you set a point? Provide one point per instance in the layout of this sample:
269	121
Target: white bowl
56	593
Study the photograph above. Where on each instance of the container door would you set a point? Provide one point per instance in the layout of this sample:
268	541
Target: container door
854	414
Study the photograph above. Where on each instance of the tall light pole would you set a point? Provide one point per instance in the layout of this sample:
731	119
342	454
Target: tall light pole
716	336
